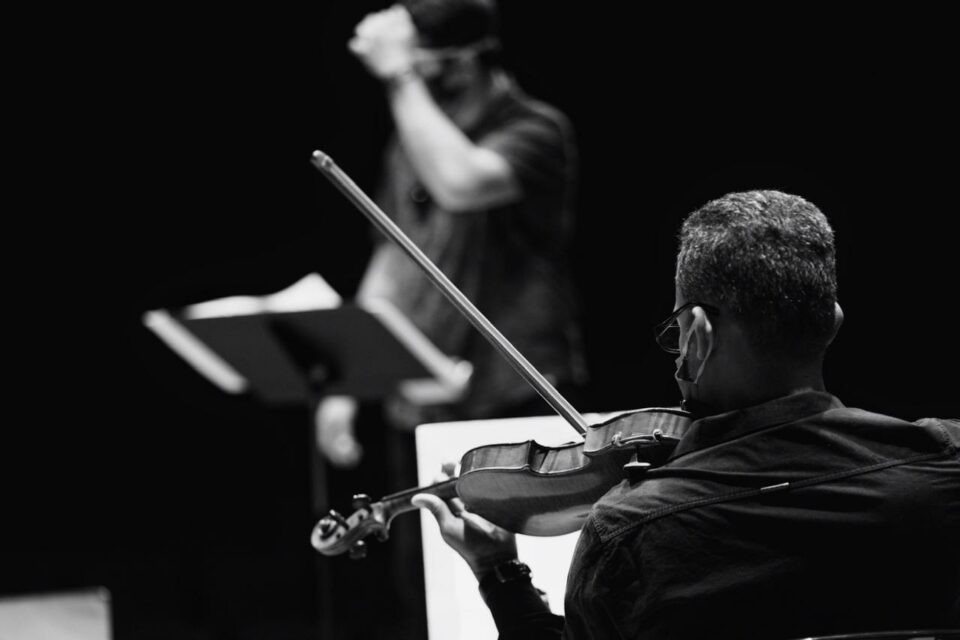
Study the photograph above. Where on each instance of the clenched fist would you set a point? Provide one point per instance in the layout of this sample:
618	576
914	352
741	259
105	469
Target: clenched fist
385	42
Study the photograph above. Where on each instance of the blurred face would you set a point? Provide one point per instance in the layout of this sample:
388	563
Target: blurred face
447	72
430	63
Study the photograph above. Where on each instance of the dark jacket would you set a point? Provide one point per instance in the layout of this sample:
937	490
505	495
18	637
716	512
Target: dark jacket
793	518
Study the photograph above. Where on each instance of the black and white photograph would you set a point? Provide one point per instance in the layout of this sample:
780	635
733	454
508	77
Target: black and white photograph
477	319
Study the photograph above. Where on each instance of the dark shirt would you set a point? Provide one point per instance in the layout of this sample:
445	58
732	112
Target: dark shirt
511	261
793	518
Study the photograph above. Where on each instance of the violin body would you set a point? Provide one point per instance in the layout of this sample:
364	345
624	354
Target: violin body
526	487
535	490
532	489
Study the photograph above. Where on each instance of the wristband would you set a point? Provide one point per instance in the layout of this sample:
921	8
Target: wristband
505	572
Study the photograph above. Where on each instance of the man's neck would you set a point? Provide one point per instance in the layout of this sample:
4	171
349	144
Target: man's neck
762	383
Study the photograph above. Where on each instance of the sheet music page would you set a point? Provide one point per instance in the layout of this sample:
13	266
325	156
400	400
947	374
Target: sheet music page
309	293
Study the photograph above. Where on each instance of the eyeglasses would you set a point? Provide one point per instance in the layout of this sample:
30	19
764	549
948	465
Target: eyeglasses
667	333
449	53
429	61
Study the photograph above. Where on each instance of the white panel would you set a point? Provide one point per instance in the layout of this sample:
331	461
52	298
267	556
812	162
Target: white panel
455	610
82	615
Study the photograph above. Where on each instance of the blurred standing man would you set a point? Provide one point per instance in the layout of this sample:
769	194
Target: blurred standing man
482	178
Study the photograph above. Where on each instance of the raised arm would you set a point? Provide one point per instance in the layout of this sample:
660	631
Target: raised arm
460	175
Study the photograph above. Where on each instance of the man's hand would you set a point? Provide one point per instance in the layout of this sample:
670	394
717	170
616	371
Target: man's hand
334	431
481	543
385	42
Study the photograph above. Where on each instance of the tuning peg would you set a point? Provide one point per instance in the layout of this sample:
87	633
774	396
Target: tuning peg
361	501
336	517
358	550
327	527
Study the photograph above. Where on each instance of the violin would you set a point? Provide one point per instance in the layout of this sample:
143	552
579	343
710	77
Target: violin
525	487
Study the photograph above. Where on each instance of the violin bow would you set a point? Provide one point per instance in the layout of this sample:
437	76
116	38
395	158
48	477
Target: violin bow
388	227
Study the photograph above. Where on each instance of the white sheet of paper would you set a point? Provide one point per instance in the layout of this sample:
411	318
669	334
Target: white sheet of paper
306	294
455	610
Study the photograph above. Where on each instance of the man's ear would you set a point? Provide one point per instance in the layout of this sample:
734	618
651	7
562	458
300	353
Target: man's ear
837	321
704	336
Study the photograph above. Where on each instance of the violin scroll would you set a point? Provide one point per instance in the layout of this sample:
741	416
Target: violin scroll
334	534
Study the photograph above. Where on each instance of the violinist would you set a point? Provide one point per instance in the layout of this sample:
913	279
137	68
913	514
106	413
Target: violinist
781	513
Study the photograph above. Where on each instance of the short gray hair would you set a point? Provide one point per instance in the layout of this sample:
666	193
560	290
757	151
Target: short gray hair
769	258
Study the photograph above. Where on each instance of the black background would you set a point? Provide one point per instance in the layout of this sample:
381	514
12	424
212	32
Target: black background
124	468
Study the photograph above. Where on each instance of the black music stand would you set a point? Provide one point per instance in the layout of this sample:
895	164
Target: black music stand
367	350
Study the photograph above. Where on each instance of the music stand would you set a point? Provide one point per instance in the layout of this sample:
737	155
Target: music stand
367	349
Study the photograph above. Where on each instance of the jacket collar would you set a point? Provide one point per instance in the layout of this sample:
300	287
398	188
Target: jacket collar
724	427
